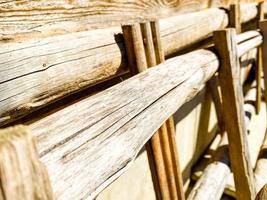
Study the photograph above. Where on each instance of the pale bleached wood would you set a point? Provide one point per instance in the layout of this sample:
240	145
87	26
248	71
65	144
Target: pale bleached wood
246	36
29	19
234	118
22	175
248	45
102	134
72	62
37	72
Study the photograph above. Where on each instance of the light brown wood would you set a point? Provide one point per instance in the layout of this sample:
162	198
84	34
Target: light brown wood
102	134
22	175
38	72
161	146
233	112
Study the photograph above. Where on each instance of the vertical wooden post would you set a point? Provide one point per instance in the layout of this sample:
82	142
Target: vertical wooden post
258	67
233	113
263	29
22	175
234	17
161	148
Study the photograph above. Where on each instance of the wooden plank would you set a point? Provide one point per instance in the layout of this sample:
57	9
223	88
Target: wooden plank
22	175
234	118
102	134
38	72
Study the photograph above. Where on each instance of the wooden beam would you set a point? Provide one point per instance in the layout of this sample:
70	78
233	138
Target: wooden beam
102	134
40	71
22	175
233	112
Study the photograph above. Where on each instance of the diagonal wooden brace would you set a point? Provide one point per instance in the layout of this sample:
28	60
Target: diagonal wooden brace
233	112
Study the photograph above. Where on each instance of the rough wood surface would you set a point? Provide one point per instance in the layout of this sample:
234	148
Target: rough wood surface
28	19
38	72
249	45
22	175
234	118
262	194
235	17
113	124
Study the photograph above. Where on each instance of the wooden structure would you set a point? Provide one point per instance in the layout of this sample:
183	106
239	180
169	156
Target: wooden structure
94	133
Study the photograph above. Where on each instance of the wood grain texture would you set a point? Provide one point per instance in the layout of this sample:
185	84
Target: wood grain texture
114	123
234	118
38	72
22	175
28	19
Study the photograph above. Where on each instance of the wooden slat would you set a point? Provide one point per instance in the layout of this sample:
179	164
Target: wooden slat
233	112
22	175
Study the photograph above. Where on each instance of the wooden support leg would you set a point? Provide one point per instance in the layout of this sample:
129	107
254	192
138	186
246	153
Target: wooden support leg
260	17
234	17
22	175
161	148
263	29
233	113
